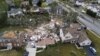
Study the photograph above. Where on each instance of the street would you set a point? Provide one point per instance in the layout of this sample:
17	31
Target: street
94	25
90	25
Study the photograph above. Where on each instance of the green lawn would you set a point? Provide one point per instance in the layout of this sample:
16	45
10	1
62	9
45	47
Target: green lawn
17	2
95	41
13	28
3	5
12	53
62	50
70	49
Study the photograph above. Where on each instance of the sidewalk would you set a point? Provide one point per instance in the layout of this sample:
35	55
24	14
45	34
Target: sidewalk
32	51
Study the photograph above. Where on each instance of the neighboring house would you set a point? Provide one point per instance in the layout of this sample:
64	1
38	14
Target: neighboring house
74	34
35	9
24	3
34	2
9	2
11	38
93	10
49	1
14	12
69	35
84	40
79	2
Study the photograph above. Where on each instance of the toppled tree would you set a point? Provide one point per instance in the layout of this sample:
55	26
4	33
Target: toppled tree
72	17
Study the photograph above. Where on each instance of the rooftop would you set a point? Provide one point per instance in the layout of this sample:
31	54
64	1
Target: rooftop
73	29
9	35
45	42
83	36
15	11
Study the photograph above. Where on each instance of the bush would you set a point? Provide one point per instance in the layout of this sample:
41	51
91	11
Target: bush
24	21
3	18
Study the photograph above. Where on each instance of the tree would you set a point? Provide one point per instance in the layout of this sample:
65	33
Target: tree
39	3
3	18
72	16
30	2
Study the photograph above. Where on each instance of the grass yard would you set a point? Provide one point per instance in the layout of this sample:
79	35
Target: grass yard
95	41
70	49
17	2
12	53
14	28
62	50
3	5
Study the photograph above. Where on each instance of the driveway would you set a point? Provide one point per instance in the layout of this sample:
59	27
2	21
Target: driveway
30	49
88	52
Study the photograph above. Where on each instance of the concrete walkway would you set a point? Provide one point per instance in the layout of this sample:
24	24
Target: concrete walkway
30	49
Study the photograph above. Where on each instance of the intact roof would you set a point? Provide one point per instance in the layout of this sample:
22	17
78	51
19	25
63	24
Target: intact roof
73	29
9	1
25	3
75	25
83	36
10	34
73	32
46	41
14	11
35	1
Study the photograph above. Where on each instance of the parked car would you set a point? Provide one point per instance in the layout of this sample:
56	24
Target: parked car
93	50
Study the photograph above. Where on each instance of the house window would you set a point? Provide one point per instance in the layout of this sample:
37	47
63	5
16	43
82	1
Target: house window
88	43
83	44
73	41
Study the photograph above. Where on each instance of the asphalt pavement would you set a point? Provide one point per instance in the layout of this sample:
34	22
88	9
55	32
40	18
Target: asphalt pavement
90	25
30	49
88	52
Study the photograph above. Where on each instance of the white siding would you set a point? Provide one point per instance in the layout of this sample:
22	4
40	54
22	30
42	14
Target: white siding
86	42
62	35
68	36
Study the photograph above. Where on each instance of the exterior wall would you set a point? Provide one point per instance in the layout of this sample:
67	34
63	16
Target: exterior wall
78	3
70	38
74	40
62	35
86	42
4	44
